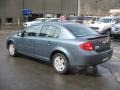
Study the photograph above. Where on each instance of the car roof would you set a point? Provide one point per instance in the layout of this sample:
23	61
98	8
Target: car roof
63	24
59	23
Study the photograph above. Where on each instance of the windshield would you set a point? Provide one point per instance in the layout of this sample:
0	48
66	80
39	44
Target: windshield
79	30
105	20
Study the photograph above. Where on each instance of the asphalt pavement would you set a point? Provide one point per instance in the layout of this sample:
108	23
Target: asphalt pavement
24	73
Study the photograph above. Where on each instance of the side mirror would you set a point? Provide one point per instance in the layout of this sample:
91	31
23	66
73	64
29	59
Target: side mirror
20	34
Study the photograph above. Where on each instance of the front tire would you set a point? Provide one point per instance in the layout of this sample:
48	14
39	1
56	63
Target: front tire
60	63
12	50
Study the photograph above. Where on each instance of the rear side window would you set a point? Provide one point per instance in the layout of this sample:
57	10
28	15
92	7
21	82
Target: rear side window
79	30
50	31
57	33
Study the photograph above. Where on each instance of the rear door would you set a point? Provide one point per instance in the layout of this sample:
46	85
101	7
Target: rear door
46	41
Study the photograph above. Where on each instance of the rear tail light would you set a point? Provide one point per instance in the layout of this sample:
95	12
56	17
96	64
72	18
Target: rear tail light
87	46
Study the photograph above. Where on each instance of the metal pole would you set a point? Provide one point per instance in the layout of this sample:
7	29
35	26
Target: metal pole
4	10
44	8
61	7
23	4
78	7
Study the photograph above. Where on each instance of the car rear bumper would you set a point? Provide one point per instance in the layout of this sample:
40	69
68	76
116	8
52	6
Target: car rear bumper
93	58
99	58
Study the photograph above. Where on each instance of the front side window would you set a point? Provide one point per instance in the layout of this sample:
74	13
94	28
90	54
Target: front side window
50	31
32	31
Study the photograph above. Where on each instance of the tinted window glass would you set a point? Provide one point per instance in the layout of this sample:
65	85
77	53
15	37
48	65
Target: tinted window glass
57	33
47	31
32	31
50	31
79	30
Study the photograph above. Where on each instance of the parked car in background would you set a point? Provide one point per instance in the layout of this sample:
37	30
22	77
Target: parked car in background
104	25
37	20
65	44
90	19
53	20
77	19
116	30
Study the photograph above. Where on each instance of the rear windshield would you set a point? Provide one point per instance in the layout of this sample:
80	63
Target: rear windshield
79	30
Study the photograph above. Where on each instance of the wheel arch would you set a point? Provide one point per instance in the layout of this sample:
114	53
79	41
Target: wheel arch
8	42
60	51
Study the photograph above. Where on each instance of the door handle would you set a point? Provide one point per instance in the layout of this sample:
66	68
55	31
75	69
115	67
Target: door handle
30	40
49	43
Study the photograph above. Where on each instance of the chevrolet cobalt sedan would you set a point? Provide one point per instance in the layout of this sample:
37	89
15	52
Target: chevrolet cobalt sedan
63	44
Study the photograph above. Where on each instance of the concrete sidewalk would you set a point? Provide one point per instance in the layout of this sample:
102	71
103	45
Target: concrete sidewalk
9	29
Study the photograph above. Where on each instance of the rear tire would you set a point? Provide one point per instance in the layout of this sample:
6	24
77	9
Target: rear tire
60	63
12	49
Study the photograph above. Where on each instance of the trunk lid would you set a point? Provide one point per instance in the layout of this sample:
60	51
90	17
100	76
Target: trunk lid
100	42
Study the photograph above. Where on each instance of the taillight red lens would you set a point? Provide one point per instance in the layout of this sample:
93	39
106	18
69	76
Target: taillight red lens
87	46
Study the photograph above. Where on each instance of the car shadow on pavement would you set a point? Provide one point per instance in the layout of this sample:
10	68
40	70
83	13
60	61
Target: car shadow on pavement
72	71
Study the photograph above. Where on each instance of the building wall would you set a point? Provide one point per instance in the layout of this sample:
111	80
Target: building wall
10	9
2	11
35	5
13	8
52	6
98	7
69	7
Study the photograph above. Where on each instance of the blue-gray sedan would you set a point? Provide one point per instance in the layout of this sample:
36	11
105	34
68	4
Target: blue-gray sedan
64	44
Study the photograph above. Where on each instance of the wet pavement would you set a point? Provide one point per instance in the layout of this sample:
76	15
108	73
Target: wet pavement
24	73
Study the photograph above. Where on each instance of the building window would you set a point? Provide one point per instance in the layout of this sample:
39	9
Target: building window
9	20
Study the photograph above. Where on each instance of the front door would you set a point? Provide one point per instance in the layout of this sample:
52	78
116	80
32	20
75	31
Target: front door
25	44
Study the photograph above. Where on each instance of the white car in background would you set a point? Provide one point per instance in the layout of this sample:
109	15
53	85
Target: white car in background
37	20
116	30
104	25
90	19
